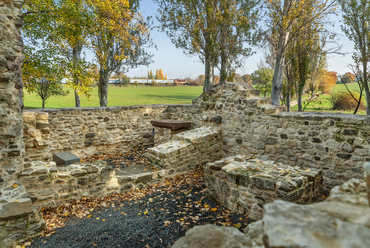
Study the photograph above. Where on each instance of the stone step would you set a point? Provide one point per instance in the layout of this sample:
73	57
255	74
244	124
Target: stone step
187	150
198	135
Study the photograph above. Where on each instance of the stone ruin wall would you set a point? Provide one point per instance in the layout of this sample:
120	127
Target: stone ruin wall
88	131
11	143
338	144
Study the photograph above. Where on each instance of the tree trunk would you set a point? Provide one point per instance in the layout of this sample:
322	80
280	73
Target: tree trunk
76	52
209	68
277	82
300	103
77	100
103	81
367	92
288	96
43	103
224	65
358	103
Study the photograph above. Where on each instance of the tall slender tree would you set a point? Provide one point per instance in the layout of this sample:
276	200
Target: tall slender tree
283	15
356	20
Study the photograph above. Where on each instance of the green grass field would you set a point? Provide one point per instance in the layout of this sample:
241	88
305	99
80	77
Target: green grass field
122	96
323	102
146	95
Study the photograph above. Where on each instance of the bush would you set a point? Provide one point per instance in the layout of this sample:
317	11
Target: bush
344	101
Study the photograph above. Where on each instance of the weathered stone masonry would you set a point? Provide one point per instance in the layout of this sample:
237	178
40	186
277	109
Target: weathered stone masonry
87	131
337	144
18	218
11	143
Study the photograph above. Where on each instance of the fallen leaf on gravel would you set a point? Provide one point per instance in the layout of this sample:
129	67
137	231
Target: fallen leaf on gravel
213	209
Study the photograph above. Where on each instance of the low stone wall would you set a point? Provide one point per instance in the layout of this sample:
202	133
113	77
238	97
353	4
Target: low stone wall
188	150
49	185
88	131
245	184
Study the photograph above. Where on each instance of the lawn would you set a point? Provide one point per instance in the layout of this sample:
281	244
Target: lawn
122	96
323	102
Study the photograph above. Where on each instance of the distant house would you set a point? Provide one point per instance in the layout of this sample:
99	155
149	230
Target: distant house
181	81
143	81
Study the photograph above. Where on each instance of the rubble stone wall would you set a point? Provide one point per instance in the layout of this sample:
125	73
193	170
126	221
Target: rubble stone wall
88	131
49	185
337	144
11	104
244	184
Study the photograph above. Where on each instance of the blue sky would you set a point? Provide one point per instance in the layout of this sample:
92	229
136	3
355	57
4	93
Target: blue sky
177	65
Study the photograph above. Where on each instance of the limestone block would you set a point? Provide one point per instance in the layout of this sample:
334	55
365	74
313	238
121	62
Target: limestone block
210	236
291	225
16	208
259	182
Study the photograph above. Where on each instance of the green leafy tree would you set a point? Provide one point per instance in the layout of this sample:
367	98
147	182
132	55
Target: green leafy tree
194	27
61	25
42	76
238	21
262	78
117	39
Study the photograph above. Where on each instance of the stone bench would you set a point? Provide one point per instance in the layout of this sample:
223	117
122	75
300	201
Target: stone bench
245	184
187	150
164	130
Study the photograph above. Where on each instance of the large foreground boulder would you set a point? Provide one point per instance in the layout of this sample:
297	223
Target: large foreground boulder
210	236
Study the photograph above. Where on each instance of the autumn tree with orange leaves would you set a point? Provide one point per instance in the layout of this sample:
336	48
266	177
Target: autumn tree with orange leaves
117	39
328	81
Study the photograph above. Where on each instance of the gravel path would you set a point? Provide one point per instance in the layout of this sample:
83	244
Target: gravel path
155	218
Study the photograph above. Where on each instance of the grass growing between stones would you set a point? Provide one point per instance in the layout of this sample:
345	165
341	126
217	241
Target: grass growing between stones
122	96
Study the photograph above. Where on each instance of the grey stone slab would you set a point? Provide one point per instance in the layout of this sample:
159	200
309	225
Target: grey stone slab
65	158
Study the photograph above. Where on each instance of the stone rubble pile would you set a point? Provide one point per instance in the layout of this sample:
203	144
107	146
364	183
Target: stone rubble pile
245	184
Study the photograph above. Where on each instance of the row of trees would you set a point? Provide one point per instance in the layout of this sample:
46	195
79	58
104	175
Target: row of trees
220	32
158	74
57	32
215	30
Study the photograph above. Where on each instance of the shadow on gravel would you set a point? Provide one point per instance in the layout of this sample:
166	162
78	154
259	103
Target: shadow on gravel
156	216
